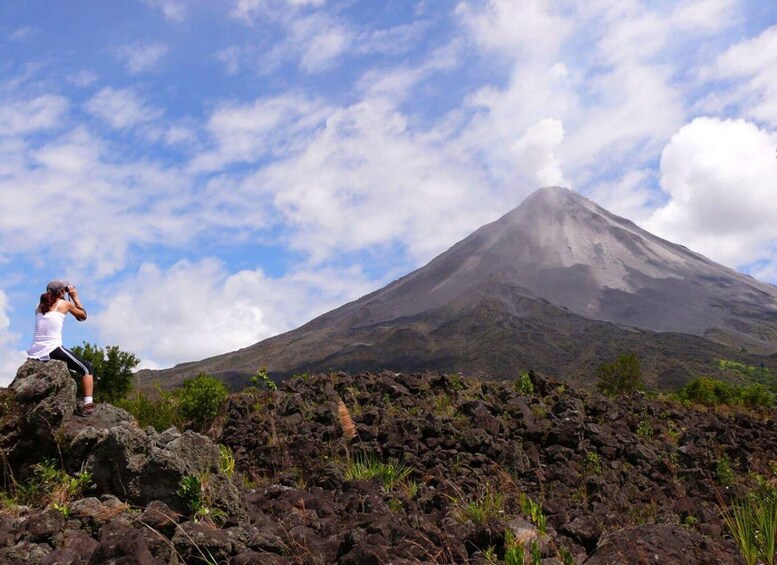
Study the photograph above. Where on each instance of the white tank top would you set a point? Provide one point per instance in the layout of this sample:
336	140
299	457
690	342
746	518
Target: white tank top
48	334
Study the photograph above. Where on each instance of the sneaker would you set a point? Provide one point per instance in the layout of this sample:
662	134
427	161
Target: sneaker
88	408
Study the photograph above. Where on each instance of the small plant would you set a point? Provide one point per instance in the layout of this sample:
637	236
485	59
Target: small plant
524	384
190	490
533	511
51	485
226	460
365	467
262	377
644	429
593	463
724	473
490	505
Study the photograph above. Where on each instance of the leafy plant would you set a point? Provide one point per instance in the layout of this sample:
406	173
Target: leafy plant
644	428
524	384
52	485
112	367
263	377
190	490
623	375
533	511
724	473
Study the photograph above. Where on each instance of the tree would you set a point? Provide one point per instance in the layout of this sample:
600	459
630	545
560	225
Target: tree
112	368
621	376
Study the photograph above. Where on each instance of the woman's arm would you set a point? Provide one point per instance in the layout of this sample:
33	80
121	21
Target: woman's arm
75	307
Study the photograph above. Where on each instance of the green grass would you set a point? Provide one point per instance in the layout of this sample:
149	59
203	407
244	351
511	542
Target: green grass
753	524
367	467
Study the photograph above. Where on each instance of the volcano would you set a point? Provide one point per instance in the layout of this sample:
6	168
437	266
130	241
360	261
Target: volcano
558	284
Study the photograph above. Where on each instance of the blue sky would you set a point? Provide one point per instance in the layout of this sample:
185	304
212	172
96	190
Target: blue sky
211	173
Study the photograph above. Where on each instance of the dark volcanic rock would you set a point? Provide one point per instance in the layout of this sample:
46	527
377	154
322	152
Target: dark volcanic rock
456	464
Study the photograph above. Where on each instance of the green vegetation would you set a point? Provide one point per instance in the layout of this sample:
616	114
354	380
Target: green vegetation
524	384
263	377
645	429
533	511
113	370
712	392
200	399
190	490
366	467
593	463
624	375
194	405
724	472
50	485
490	505
761	375
226	460
753	524
160	410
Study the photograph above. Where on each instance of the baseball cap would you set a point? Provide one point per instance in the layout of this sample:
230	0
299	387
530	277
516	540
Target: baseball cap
56	286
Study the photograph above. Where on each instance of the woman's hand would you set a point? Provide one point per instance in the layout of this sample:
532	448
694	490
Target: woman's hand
71	290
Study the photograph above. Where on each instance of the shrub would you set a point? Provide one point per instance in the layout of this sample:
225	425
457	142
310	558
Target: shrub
159	410
623	375
712	392
200	399
112	368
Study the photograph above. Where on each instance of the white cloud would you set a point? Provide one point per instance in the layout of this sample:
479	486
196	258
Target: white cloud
141	57
249	9
102	208
19	117
121	108
10	356
516	29
172	9
82	78
334	194
22	33
720	177
268	127
323	48
195	310
755	61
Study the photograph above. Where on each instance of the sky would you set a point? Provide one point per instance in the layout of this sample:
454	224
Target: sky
210	173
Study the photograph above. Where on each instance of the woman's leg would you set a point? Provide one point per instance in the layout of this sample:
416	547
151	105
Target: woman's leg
88	383
77	366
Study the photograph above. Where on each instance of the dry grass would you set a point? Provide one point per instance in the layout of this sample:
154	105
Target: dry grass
346	422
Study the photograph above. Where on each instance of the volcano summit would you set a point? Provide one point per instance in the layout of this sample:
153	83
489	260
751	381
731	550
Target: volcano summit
558	284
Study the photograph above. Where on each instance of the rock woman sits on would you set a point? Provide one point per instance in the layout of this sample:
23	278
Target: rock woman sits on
47	340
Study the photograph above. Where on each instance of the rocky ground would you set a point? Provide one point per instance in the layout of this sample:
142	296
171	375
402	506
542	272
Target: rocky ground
466	470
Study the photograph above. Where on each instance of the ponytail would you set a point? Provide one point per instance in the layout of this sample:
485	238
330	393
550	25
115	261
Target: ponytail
47	300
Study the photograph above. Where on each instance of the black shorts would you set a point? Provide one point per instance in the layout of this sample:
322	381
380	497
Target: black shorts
76	365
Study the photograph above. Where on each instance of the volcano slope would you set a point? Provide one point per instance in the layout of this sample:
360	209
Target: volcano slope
439	469
558	285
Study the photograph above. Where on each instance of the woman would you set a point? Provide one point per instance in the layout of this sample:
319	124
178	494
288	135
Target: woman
47	340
